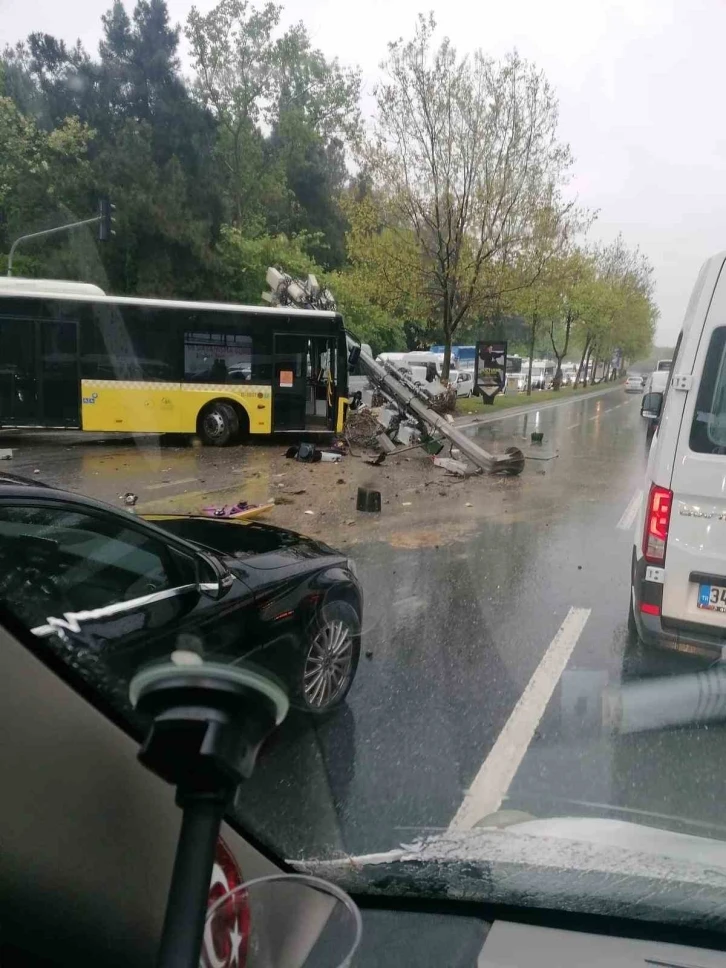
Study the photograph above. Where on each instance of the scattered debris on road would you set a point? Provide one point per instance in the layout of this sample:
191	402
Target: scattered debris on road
368	500
411	408
452	466
129	498
243	509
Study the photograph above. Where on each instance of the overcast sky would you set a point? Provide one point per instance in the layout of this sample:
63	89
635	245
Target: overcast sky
641	92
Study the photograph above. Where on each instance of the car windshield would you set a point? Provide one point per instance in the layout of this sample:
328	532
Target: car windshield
323	347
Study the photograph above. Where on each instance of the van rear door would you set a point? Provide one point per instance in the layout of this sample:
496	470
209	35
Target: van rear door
694	589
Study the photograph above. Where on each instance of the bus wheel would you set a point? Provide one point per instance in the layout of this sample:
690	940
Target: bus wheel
218	424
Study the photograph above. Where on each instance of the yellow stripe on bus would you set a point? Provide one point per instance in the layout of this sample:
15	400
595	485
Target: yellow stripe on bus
138	406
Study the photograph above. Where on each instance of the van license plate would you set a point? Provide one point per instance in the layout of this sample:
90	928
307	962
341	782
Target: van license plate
712	597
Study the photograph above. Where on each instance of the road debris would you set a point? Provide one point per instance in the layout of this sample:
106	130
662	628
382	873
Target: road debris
129	498
453	466
368	500
243	509
420	404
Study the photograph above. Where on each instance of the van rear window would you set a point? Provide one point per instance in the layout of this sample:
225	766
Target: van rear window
708	430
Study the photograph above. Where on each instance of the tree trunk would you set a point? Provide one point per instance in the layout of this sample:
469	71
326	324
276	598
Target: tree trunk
447	338
588	369
557	382
587	366
585	348
446	366
533	337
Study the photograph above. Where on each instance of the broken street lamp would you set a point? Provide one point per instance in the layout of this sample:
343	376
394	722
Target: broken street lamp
490	369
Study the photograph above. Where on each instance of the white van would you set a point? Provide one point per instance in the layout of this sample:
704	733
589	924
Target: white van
678	596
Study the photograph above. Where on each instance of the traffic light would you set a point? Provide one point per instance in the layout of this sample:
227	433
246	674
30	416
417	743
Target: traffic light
105	219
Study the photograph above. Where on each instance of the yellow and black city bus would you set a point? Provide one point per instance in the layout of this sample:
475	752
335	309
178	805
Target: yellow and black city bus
71	356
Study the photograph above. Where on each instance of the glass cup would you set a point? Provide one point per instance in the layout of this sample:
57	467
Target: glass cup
282	921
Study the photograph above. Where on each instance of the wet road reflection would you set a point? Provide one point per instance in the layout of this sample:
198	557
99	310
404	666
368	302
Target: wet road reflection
454	629
456	634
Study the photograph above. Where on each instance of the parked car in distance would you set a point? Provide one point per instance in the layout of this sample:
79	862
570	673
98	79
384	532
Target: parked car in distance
121	590
678	587
463	380
634	383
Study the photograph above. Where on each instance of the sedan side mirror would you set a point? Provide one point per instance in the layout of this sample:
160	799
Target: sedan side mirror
651	405
213	579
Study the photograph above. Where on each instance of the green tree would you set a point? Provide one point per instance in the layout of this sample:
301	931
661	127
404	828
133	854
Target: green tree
464	154
44	176
244	261
234	56
368	321
152	150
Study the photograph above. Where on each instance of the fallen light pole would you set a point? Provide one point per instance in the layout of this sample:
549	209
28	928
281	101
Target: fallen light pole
308	294
510	462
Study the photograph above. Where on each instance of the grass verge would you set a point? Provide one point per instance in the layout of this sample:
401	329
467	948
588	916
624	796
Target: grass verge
504	400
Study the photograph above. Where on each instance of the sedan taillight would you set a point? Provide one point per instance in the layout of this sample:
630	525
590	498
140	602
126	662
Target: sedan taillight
657	521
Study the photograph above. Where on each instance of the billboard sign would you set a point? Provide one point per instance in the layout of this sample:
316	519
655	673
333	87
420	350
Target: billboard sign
490	369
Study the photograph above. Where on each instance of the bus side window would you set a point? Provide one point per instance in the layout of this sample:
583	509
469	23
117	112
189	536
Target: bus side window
261	352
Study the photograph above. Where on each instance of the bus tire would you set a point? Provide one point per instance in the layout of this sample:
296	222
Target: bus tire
218	424
243	429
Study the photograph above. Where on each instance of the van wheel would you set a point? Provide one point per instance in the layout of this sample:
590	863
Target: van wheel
218	424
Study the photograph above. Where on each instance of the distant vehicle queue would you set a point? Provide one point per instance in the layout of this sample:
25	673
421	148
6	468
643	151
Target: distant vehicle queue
463	360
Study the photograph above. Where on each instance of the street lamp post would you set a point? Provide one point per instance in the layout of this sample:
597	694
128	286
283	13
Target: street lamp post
104	220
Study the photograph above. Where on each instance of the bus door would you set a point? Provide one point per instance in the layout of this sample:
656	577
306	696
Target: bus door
39	378
289	382
58	374
304	386
19	403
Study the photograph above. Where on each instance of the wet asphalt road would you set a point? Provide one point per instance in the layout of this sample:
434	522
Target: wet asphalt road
455	634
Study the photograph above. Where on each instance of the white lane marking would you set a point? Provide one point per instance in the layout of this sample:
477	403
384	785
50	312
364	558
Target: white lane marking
600	413
491	783
184	480
630	513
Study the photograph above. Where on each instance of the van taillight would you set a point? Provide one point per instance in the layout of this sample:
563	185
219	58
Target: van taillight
657	519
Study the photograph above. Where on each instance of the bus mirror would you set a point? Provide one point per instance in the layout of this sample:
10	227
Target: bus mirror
354	355
651	405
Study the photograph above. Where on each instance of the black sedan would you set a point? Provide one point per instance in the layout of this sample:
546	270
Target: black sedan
117	591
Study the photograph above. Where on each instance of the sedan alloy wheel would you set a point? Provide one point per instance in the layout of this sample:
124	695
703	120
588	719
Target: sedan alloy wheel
332	657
